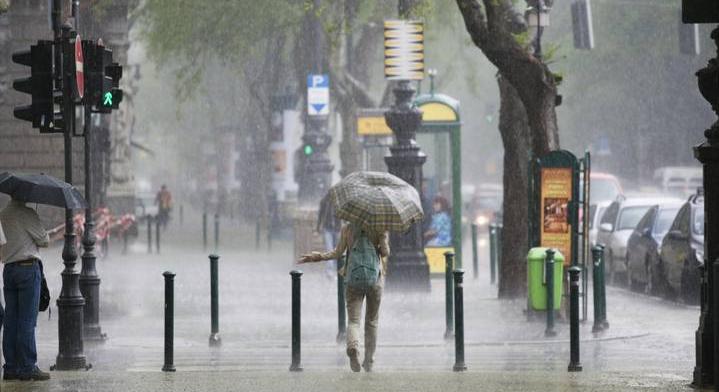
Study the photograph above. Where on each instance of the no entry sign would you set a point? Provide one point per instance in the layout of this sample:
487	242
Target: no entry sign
79	68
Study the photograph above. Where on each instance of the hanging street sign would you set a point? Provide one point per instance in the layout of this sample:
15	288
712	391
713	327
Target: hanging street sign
403	50
318	95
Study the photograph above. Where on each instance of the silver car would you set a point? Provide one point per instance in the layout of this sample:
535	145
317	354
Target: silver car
616	225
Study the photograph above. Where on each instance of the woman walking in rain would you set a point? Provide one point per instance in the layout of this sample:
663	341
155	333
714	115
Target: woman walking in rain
364	272
372	204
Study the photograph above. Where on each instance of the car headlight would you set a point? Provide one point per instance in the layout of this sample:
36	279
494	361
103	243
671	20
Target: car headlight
482	220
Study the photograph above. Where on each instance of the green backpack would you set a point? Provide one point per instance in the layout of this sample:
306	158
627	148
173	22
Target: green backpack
363	263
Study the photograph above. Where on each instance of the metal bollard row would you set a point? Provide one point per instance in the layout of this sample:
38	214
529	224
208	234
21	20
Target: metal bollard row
149	234
549	279
475	255
204	230
169	365
574	364
157	235
449	306
459	364
296	365
600	298
493	245
215	340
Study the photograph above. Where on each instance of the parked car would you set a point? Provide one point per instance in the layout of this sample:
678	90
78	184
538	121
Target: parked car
682	250
643	246
604	187
485	206
616	225
596	211
681	181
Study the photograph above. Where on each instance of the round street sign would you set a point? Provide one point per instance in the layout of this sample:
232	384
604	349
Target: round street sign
79	72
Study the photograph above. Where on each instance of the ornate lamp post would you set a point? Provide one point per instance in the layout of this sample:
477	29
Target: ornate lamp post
408	266
707	351
537	15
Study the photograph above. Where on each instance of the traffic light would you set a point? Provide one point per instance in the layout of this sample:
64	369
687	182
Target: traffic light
103	77
308	149
700	11
39	85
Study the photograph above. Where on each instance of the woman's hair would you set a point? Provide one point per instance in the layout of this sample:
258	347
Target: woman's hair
443	203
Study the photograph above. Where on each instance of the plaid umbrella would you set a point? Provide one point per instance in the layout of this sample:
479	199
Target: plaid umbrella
377	201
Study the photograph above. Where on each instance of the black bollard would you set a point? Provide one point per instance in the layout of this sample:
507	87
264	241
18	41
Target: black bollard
149	234
296	366
459	365
215	340
124	242
493	252
257	234
574	364
157	236
549	279
217	232
448	305
475	255
204	230
341	310
598	289
169	365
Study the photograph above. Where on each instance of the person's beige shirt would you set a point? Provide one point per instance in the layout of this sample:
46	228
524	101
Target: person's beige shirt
23	231
379	240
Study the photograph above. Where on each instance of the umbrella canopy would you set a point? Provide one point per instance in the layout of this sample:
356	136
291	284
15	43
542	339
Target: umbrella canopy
41	189
377	201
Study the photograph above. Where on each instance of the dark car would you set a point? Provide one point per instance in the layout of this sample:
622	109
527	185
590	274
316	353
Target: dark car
682	251
643	246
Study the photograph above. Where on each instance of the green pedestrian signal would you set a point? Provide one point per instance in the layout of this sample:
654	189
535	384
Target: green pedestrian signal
308	150
107	100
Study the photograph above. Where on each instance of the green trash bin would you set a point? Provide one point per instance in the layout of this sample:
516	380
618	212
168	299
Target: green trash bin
536	280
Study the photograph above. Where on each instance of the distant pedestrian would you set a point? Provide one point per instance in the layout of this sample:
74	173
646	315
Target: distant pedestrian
364	273
21	278
163	200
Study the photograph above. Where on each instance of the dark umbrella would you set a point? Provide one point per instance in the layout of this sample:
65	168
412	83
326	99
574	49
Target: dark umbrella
41	189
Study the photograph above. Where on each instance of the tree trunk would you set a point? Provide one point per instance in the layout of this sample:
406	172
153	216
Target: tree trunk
528	121
514	129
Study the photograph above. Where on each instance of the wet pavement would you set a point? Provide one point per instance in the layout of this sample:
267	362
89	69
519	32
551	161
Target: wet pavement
649	345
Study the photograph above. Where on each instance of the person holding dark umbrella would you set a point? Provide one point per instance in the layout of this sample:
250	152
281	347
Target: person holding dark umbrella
21	279
22	271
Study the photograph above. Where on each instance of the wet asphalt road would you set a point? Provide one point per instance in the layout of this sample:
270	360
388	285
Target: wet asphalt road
650	344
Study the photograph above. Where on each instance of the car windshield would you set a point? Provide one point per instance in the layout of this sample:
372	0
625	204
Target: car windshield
698	221
664	221
630	216
603	189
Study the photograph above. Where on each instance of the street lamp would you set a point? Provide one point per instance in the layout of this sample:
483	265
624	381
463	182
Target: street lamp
537	15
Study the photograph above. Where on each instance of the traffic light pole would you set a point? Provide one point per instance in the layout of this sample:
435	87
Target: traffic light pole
70	303
89	279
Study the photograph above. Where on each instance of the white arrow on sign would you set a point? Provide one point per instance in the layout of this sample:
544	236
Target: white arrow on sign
318	95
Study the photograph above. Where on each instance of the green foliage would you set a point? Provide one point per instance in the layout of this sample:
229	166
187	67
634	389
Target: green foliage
186	34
